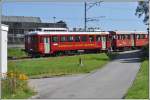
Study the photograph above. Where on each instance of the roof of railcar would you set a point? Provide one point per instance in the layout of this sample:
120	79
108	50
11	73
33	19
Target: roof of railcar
130	32
66	33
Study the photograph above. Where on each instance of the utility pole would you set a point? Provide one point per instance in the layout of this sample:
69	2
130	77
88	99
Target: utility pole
87	7
85	16
148	27
54	20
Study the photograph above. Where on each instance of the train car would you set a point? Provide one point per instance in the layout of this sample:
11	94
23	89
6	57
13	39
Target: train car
128	39
141	39
52	42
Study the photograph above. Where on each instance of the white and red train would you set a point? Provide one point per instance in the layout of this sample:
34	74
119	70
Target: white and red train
52	41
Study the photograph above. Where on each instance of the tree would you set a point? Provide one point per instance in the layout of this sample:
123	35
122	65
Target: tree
143	9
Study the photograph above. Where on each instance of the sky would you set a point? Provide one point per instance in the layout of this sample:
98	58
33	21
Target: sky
111	15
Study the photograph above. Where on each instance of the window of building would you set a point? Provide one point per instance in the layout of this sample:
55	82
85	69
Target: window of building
63	39
83	38
54	38
77	38
70	38
91	38
98	38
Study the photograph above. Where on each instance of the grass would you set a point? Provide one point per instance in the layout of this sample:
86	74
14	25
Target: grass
22	90
55	66
16	52
139	89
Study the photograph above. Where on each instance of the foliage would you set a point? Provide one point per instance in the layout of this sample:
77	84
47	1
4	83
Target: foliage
15	86
143	9
139	89
54	66
146	50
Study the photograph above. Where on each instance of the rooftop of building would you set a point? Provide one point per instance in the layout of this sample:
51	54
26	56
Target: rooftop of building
20	19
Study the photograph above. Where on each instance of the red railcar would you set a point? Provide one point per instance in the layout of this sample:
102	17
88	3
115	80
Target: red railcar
40	42
141	39
128	39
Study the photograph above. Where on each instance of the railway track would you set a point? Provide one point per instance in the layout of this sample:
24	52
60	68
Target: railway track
29	57
20	58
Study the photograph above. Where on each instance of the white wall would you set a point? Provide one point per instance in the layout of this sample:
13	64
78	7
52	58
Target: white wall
3	48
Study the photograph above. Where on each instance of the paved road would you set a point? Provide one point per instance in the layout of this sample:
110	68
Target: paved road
112	81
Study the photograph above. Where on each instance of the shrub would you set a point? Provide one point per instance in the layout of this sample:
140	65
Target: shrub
146	50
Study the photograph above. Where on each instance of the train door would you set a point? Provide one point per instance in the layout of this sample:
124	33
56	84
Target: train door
46	45
132	39
103	38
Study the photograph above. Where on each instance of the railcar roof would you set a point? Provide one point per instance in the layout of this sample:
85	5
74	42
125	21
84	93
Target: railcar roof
131	32
65	33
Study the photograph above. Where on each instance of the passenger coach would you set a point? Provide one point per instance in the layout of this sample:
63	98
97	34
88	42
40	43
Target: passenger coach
52	42
128	39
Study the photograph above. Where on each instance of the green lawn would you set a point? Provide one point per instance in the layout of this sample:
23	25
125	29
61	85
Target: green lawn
16	52
53	66
139	89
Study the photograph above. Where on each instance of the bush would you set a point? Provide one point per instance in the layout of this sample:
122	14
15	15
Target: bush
146	50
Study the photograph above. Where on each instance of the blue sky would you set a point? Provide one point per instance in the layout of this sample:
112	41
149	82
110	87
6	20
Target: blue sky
118	15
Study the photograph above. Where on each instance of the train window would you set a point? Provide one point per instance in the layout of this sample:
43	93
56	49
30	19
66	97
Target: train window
91	38
123	37
77	38
98	38
63	39
70	38
54	38
142	36
128	36
119	37
83	38
146	36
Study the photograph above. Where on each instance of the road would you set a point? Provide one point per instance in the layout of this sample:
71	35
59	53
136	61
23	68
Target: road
112	81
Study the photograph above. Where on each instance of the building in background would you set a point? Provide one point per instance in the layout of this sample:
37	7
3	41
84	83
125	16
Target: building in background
19	25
